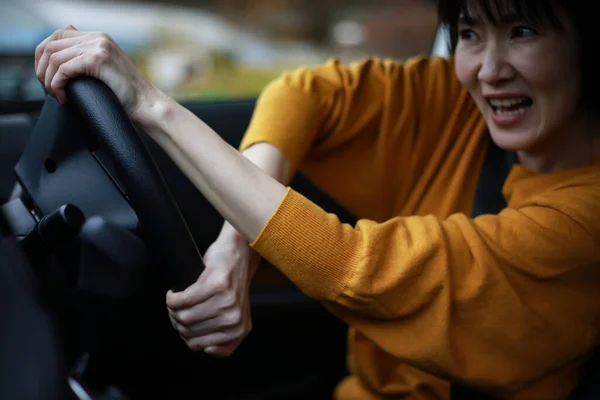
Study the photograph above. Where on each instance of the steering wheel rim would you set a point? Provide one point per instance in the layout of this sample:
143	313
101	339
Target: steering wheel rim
159	215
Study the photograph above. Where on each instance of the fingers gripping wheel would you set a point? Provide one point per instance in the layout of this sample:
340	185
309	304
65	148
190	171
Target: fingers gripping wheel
162	223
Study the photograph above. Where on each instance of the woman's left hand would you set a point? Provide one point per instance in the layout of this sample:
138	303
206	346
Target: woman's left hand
69	53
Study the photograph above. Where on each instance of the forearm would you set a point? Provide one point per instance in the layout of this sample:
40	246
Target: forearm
243	193
272	161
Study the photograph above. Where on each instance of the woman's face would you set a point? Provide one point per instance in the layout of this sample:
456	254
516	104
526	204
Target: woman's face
525	79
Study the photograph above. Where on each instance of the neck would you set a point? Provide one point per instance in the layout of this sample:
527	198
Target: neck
574	147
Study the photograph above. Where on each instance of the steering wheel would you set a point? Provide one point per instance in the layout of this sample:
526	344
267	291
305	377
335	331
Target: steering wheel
164	227
108	205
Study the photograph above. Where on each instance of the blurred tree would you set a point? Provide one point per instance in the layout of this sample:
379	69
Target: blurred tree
302	19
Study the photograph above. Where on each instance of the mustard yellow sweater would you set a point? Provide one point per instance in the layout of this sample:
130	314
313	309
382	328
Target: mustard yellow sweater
508	304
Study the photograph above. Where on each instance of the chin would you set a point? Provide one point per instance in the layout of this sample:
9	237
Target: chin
513	140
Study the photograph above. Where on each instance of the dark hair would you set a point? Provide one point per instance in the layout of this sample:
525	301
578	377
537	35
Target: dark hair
535	12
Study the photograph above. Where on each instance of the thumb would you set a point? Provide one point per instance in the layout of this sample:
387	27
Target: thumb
223	350
191	296
70	28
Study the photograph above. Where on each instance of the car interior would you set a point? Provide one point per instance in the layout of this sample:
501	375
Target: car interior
97	224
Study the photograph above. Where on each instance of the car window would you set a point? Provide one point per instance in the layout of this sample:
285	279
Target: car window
217	49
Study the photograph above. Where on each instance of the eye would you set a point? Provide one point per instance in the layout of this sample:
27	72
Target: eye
519	32
467	34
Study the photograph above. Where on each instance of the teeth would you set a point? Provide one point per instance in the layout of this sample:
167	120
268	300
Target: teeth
507	102
500	111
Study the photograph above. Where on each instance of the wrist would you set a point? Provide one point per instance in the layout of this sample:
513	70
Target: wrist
230	234
152	107
233	242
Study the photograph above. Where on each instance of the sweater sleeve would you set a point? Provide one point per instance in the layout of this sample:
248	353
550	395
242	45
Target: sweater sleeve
354	129
325	106
496	301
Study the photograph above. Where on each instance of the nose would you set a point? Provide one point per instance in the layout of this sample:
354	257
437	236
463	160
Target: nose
494	67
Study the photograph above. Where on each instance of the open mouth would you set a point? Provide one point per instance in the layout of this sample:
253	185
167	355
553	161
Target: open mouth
510	106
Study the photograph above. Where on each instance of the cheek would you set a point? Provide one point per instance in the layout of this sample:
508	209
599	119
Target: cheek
542	70
550	66
554	78
465	69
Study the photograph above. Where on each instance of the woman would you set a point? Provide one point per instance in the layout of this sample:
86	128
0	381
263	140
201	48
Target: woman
502	303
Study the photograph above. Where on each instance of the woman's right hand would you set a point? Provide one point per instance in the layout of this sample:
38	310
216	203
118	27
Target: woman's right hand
213	314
